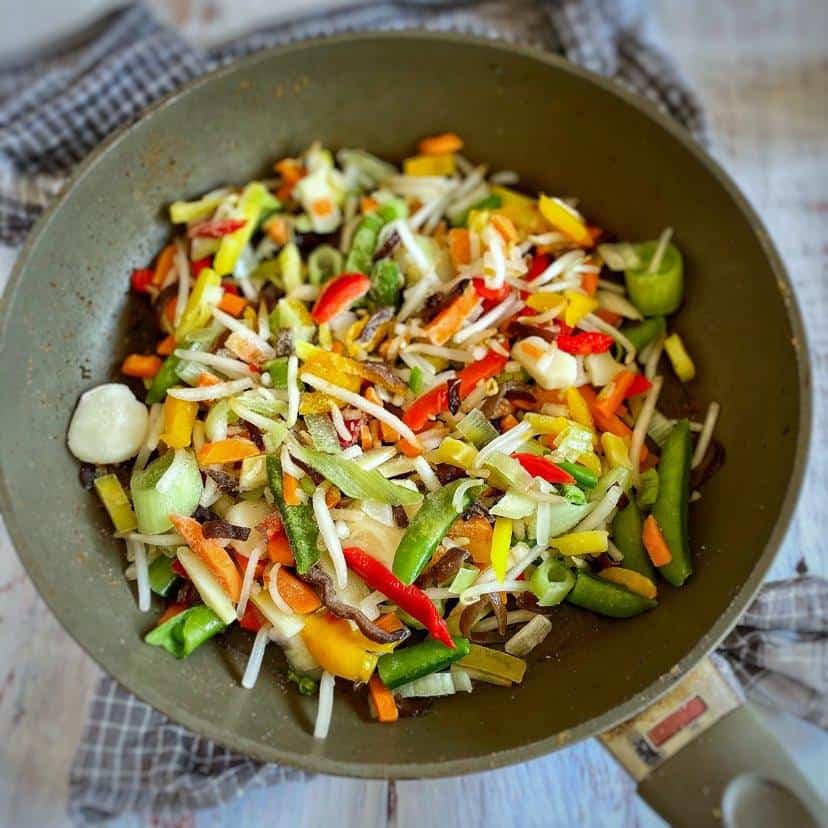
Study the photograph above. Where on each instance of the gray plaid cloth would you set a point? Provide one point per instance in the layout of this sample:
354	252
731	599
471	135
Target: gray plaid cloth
54	109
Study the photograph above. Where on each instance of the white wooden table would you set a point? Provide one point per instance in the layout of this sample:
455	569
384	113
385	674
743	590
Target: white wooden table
761	69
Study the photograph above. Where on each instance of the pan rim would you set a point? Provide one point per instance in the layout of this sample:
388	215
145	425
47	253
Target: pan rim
598	724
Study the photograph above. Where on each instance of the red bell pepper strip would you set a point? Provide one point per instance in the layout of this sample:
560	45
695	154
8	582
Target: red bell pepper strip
490	366
141	279
585	342
436	400
338	295
252	619
490	294
541	467
539	263
216	228
407	597
639	385
199	265
229	287
429	405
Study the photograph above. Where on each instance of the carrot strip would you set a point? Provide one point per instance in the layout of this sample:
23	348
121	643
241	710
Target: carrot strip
609	317
407	449
163	264
654	543
216	559
206	379
589	282
232	304
279	551
449	321
367	205
459	246
612	423
290	488
612	395
137	365
505	228
170	612
169	309
297	594
277	230
382	701
442	144
166	346
389	622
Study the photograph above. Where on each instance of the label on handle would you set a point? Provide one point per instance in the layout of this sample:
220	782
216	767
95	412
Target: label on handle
645	741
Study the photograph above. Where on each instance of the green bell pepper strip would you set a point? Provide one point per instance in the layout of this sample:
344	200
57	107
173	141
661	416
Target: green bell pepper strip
427	529
607	598
585	478
393	209
410	663
299	521
551	582
489	202
186	632
626	534
165	379
415	381
162	578
354	481
671	507
659	293
324	263
643	333
277	368
361	255
386	283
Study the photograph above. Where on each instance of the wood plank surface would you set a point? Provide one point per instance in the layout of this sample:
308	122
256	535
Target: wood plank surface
762	71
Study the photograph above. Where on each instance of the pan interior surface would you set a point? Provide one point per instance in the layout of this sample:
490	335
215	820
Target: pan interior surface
66	327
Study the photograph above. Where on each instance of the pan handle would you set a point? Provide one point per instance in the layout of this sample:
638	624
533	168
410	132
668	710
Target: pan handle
702	758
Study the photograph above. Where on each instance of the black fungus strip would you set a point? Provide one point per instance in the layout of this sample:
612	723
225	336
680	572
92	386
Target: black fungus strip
400	516
223	529
323	584
446	473
438	302
388	246
226	482
454	395
445	570
283	343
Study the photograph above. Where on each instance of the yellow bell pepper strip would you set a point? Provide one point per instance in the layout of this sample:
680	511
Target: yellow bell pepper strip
116	502
451	319
383	704
632	580
494	663
411	663
671	507
183	212
179	418
215	558
606	598
679	358
299	521
427	529
455	453
253	201
427	165
616	451
315	402
231	450
544	424
578	408
334	368
592	542
501	541
338	648
197	311
591	461
564	218
578	306
521	209
542	302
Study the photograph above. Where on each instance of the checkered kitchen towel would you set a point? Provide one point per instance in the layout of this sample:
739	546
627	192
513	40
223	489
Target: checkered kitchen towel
56	107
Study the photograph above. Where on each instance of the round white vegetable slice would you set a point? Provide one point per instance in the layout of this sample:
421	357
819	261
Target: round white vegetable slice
248	513
108	426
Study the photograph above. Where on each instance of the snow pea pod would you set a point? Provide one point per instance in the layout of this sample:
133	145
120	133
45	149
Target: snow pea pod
607	598
410	663
671	506
185	632
626	533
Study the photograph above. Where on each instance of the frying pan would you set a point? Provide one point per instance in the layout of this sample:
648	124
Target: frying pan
65	324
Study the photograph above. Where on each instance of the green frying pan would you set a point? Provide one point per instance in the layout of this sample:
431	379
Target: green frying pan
65	325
